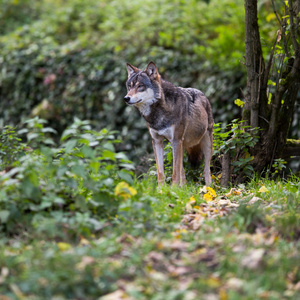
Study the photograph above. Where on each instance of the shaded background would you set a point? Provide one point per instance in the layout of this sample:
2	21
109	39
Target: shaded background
66	58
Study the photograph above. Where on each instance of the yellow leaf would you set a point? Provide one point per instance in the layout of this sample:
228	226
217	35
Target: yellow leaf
192	200
207	197
84	241
270	17
263	189
239	102
233	192
210	194
213	282
223	294
124	190
247	155
63	246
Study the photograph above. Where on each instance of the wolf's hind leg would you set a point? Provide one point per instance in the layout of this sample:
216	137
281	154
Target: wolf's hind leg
177	177
206	148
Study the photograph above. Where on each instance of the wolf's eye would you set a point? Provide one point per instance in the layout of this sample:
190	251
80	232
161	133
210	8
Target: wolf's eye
140	87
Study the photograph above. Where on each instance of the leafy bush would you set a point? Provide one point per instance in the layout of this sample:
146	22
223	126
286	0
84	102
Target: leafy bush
71	61
11	147
70	186
235	139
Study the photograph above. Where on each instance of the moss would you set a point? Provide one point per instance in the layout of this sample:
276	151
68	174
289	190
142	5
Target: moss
246	114
291	142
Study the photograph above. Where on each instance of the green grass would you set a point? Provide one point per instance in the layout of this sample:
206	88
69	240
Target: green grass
246	251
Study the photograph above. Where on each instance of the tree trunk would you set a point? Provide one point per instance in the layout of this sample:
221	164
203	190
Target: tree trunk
275	117
254	62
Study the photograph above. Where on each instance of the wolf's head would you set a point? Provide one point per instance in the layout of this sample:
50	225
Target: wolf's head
143	87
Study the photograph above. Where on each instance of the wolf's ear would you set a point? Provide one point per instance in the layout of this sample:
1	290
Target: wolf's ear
131	69
152	70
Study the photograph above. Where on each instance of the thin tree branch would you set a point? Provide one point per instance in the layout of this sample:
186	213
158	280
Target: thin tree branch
283	30
297	15
293	28
268	68
276	14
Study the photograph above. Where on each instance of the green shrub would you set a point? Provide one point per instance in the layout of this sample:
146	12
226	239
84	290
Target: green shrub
60	59
71	61
235	139
11	147
70	186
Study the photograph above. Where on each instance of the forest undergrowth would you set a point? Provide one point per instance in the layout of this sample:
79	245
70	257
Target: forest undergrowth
76	223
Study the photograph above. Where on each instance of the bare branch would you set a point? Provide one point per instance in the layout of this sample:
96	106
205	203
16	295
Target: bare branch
293	27
297	15
276	14
268	68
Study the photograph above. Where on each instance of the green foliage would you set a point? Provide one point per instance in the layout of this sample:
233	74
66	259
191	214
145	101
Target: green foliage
247	251
235	139
11	147
70	61
70	186
279	165
248	218
15	13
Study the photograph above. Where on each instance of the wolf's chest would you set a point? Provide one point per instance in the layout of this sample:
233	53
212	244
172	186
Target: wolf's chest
167	133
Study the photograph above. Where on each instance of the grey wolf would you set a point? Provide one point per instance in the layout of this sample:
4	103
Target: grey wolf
183	116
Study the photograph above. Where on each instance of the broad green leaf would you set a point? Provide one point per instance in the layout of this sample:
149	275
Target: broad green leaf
4	214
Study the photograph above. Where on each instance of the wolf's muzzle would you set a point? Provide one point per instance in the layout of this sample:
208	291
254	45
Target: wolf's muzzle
127	98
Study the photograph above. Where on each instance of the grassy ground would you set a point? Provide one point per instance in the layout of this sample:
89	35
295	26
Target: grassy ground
174	243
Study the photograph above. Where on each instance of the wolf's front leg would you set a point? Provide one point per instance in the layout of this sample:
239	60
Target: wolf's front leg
158	148
178	172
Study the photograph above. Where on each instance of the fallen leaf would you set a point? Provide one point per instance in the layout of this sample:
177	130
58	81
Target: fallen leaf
235	283
155	256
210	194
297	286
155	275
263	189
85	261
4	274
233	192
192	200
84	241
213	282
253	258
178	271
223	294
116	295
224	202
188	208
254	200
16	290
63	246
175	245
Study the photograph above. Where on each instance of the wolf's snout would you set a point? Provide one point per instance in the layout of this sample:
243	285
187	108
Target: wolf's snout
127	98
